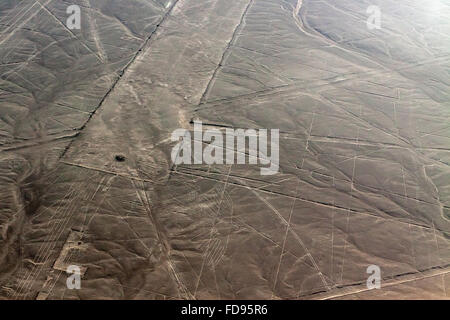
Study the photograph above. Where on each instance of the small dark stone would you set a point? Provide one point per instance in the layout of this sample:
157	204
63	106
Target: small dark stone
120	158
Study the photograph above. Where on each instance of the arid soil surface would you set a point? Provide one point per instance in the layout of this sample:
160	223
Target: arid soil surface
86	176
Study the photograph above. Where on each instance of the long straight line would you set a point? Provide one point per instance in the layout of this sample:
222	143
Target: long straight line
225	54
122	72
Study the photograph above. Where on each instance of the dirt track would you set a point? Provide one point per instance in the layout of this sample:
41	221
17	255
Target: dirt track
364	150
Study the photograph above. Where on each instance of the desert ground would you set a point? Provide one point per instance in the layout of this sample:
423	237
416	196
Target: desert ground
87	179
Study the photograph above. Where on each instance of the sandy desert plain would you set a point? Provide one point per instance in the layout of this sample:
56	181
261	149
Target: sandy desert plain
86	176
